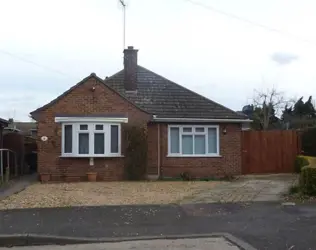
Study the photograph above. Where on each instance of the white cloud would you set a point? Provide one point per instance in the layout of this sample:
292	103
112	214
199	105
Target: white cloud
283	58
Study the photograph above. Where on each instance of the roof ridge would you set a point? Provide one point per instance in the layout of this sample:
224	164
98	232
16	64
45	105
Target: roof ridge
3	120
207	99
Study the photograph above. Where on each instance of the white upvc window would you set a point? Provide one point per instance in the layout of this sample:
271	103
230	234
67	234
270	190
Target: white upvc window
193	141
88	138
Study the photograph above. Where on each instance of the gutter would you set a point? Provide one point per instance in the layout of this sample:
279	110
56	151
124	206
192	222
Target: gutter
157	119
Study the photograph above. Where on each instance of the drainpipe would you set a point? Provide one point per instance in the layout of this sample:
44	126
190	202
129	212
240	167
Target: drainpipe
158	151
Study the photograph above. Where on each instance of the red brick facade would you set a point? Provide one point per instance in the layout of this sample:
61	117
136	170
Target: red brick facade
228	163
81	100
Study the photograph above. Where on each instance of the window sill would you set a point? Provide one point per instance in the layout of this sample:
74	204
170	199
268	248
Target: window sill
194	156
92	156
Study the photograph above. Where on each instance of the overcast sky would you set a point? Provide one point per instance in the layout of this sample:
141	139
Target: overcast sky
218	56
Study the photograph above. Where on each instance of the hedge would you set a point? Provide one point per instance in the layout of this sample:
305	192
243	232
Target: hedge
309	142
308	179
300	162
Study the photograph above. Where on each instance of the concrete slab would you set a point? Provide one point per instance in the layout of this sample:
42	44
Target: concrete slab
219	243
247	189
17	185
266	197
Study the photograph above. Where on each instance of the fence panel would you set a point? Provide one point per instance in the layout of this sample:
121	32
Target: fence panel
269	151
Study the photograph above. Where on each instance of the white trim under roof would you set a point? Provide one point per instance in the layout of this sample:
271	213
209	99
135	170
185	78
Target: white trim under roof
92	119
201	120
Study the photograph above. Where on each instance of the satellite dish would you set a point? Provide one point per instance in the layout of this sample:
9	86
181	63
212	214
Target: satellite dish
44	138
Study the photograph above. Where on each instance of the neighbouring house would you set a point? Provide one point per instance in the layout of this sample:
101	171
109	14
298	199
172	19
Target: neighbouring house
25	128
83	129
3	123
20	139
246	125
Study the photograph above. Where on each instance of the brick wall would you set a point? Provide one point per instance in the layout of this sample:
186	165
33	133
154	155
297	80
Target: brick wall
82	100
229	162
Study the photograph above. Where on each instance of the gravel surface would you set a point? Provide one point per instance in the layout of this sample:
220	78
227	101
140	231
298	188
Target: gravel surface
104	193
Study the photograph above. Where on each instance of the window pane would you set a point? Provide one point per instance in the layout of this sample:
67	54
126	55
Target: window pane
99	127
174	140
114	139
84	127
68	139
99	143
212	140
199	129
187	144
83	143
199	144
187	129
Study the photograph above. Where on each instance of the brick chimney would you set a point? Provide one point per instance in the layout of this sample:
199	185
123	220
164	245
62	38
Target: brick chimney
130	68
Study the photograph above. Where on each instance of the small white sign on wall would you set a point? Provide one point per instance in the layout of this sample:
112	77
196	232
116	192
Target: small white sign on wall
44	138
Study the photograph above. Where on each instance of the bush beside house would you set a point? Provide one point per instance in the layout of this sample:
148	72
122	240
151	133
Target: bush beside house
306	167
308	180
300	162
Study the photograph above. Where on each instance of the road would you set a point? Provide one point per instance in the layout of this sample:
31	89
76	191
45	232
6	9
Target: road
264	225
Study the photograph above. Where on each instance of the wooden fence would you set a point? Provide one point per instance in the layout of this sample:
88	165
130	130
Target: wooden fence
269	151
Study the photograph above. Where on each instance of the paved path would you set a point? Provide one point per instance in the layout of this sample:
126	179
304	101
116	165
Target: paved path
246	189
264	225
218	243
17	185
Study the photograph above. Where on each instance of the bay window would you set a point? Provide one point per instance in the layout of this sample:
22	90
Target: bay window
197	140
90	137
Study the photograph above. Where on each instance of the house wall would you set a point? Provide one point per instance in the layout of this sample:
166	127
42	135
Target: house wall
81	100
1	136
228	163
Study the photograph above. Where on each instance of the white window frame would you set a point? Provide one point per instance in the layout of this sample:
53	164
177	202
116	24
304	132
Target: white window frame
91	121
91	131
206	127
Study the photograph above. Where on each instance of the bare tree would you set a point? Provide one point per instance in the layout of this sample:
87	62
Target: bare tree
270	102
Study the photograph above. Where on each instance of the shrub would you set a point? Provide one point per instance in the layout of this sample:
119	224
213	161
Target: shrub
294	189
308	142
308	180
135	153
185	176
300	162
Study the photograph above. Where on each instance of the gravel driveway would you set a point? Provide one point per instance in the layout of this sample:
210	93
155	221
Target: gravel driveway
104	193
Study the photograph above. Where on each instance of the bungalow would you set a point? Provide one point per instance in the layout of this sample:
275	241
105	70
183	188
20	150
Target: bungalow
84	128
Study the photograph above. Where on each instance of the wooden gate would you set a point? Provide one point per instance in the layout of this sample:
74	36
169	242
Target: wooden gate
269	151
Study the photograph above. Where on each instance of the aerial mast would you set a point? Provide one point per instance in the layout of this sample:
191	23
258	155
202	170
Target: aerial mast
124	21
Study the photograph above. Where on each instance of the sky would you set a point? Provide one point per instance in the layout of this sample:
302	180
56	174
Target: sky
46	46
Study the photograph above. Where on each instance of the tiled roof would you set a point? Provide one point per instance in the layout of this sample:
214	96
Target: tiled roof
3	122
23	126
166	99
159	96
